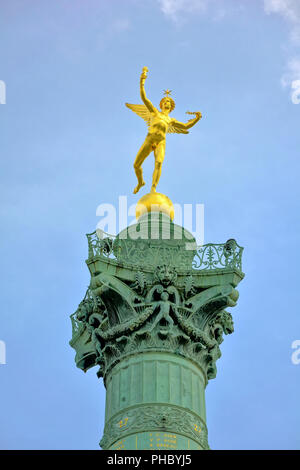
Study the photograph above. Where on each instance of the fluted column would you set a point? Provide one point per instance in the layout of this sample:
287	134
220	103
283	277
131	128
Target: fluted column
152	320
155	400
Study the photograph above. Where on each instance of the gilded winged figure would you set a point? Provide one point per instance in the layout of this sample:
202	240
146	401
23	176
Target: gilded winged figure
159	124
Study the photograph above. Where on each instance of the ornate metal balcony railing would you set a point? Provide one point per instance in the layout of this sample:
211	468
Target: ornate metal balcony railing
218	256
207	257
100	246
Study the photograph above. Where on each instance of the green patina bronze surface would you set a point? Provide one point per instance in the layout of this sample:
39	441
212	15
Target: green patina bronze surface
152	320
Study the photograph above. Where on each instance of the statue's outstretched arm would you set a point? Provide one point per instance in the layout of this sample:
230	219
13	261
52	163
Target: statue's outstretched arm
147	102
190	123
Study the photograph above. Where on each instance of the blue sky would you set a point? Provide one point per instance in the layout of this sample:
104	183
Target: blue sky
68	144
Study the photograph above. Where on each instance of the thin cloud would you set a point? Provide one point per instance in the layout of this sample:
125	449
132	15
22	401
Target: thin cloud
290	11
120	25
179	10
112	31
174	9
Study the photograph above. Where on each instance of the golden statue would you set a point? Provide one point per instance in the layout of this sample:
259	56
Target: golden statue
159	124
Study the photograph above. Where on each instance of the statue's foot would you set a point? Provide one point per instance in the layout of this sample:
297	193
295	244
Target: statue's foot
153	189
138	187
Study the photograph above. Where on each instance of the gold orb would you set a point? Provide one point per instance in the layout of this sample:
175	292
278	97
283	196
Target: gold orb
155	202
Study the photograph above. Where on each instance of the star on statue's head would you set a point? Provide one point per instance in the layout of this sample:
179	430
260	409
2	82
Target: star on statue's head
167	92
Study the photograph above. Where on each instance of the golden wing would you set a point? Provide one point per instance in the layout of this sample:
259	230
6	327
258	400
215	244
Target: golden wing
175	127
142	111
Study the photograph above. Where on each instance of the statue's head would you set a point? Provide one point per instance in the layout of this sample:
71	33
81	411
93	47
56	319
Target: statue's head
167	104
